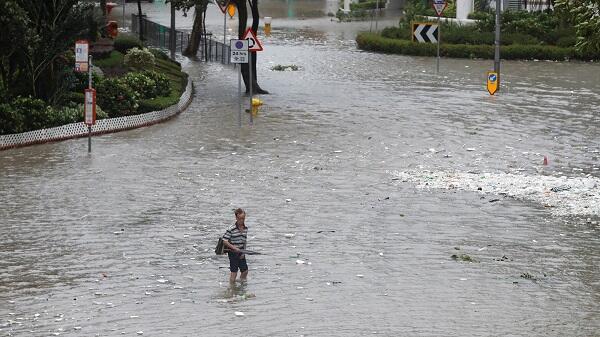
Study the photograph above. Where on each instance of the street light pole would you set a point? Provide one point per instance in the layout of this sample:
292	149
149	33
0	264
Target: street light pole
497	51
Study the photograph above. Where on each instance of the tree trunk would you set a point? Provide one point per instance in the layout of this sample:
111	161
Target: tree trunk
194	43
103	8
140	20
243	17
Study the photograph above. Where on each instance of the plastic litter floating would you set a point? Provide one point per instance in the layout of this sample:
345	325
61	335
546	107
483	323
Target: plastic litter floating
239	313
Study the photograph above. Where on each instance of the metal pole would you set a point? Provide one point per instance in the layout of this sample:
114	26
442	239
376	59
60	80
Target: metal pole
240	97
497	53
224	35
439	37
89	87
251	81
172	36
376	15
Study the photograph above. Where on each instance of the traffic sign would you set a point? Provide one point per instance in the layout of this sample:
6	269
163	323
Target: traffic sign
89	107
239	51
222	4
253	42
439	6
425	32
82	48
492	82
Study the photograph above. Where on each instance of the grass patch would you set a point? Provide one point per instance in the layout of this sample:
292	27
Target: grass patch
114	60
178	81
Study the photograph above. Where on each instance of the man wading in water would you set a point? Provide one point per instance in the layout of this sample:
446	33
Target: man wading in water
234	239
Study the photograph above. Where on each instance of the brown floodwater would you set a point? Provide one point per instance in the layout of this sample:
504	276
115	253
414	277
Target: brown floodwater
121	241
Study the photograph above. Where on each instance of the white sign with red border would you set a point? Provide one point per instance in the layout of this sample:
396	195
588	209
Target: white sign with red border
82	48
253	42
222	5
440	6
89	110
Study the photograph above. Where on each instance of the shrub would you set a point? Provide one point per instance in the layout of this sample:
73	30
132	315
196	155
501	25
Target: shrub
11	121
162	83
143	85
116	98
139	58
72	114
567	42
124	42
159	54
373	42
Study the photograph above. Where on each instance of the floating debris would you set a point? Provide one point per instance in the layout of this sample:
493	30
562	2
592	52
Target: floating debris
300	262
291	67
581	198
463	257
560	188
239	313
528	276
289	235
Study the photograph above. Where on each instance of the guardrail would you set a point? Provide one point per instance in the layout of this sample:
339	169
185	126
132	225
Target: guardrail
159	36
109	125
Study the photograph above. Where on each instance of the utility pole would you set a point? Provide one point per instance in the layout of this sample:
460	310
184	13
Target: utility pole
497	52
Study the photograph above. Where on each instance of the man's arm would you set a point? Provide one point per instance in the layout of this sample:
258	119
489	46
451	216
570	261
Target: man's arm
230	246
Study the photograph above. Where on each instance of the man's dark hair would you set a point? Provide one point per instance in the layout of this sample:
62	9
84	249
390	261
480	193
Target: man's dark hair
239	211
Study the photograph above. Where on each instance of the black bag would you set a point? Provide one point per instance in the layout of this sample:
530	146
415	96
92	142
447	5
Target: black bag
220	249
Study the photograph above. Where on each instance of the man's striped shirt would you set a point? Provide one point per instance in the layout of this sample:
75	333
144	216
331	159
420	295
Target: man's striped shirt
236	237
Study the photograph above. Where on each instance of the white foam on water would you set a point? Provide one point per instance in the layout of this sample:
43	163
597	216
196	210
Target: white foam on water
573	196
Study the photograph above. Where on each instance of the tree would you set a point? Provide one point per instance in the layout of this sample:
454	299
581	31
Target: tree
140	20
243	17
585	16
15	36
199	27
34	57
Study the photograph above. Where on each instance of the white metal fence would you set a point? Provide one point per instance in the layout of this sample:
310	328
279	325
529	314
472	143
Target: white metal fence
102	126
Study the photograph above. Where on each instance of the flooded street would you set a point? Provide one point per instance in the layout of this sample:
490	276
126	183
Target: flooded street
335	174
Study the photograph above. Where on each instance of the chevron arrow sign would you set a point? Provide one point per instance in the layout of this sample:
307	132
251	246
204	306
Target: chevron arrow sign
425	32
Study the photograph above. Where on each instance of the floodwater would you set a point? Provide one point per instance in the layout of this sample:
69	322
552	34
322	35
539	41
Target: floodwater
120	242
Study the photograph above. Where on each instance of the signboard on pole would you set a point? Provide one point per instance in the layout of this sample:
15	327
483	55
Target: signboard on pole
439	6
492	82
239	51
82	48
89	109
253	42
425	32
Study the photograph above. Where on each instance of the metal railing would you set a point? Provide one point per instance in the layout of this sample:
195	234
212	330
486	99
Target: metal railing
159	36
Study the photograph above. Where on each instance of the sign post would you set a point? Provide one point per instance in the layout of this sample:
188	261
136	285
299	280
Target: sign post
497	49
83	63
89	109
223	7
254	45
239	55
439	6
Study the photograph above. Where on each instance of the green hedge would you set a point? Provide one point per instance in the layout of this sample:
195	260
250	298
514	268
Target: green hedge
124	42
377	43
